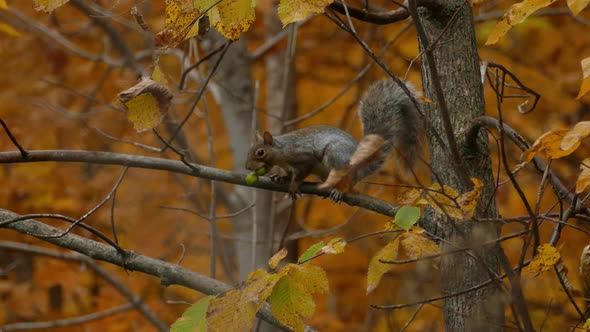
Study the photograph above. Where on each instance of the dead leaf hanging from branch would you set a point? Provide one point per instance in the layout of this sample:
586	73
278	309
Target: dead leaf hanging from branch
146	102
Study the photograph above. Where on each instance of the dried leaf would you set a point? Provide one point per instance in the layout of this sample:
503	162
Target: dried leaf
334	246
147	102
585	271
277	258
3	4
546	257
48	5
515	15
576	6
584	178
297	10
443	199
468	200
181	23
409	197
414	244
549	144
378	269
368	149
585	87
580	131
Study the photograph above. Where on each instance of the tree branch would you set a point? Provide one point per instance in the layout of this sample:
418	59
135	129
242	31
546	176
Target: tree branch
137	161
169	274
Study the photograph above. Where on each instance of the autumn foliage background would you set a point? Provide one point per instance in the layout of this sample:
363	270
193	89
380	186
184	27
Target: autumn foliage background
54	99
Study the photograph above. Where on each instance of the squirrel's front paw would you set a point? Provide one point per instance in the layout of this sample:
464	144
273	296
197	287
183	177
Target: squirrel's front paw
336	196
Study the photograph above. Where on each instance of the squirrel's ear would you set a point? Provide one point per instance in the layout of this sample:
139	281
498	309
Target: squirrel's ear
258	137
267	138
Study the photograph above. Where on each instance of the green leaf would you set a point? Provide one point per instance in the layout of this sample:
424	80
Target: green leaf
194	318
311	251
407	216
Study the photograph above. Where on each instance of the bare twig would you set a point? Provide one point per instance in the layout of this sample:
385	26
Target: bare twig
13	139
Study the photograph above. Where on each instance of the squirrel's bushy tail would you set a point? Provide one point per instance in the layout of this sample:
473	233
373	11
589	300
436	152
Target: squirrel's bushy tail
387	110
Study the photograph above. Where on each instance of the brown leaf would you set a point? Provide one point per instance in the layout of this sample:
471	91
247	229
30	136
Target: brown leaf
584	178
585	270
580	131
368	149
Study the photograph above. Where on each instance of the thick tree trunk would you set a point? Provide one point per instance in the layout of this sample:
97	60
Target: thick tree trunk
457	63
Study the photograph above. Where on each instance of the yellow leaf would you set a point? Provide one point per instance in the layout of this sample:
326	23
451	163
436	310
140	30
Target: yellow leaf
468	200
414	244
9	30
313	278
235	17
291	299
277	258
259	286
3	4
297	10
586	79
230	312
443	199
224	313
580	131
585	270
335	246
515	15
378	269
48	5
158	75
584	178
546	257
181	23
143	111
409	197
550	144
576	6
147	102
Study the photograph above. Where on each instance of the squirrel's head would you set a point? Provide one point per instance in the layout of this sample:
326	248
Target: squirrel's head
259	154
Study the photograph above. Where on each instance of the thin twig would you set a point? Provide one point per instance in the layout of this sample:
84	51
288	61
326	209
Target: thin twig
23	152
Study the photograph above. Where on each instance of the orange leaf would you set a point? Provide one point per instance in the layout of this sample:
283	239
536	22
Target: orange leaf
584	178
550	144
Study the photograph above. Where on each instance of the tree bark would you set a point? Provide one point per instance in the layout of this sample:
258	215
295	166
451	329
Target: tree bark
450	35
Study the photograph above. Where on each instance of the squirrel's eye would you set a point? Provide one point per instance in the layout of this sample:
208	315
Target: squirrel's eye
260	153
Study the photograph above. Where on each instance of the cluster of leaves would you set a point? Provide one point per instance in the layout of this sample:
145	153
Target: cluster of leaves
288	290
230	18
518	12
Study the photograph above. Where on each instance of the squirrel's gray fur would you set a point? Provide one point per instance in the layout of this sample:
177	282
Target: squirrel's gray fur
385	110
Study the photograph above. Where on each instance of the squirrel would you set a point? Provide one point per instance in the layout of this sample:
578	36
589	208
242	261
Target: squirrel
385	110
